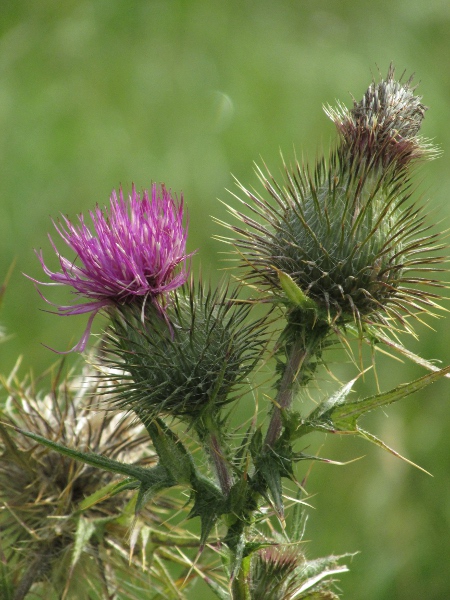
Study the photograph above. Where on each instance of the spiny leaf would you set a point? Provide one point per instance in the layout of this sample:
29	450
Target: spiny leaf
269	468
342	417
89	458
414	357
214	586
335	400
147	490
85	530
23	459
312	581
293	292
107	491
6	586
347	414
209	504
172	454
371	438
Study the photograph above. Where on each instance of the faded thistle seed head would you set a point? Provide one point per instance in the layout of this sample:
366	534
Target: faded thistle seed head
345	234
55	542
189	364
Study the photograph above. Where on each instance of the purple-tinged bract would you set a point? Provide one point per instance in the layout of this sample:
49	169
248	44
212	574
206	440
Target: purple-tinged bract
135	251
383	127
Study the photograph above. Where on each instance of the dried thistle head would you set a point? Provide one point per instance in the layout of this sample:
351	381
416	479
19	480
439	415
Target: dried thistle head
190	364
345	234
61	536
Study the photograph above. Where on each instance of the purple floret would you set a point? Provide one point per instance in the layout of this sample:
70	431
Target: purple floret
132	254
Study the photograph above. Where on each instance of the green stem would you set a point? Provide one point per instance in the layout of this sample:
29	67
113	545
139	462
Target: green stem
305	347
286	391
220	464
208	431
239	587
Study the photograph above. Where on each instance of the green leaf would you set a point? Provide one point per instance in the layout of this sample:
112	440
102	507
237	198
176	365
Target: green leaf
338	416
334	401
347	414
107	491
295	294
89	458
209	504
298	521
6	586
215	587
238	500
23	459
310	583
374	440
172	454
399	348
148	489
152	480
269	468
256	444
85	530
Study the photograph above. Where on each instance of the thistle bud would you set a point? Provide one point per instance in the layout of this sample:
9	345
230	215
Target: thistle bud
190	363
383	127
273	572
283	573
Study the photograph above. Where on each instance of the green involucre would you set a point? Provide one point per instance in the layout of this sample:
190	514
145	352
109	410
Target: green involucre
344	232
346	237
193	362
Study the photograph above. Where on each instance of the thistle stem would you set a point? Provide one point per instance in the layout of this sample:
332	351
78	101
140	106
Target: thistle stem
239	587
305	347
220	464
286	391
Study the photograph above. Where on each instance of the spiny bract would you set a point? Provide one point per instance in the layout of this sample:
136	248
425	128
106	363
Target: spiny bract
345	232
192	362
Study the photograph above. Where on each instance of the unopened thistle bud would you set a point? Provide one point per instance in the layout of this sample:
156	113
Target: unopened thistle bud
273	573
283	573
383	127
345	233
191	362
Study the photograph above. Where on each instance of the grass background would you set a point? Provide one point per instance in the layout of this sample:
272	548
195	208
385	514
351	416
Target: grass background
98	93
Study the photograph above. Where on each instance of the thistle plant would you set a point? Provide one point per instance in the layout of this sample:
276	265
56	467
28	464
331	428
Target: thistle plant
331	253
341	246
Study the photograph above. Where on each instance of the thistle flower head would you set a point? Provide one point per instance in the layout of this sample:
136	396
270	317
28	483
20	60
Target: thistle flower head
56	542
383	127
136	252
196	364
344	235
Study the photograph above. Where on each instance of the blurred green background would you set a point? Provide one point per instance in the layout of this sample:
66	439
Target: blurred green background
98	93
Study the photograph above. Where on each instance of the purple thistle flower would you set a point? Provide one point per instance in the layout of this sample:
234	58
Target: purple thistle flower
132	255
